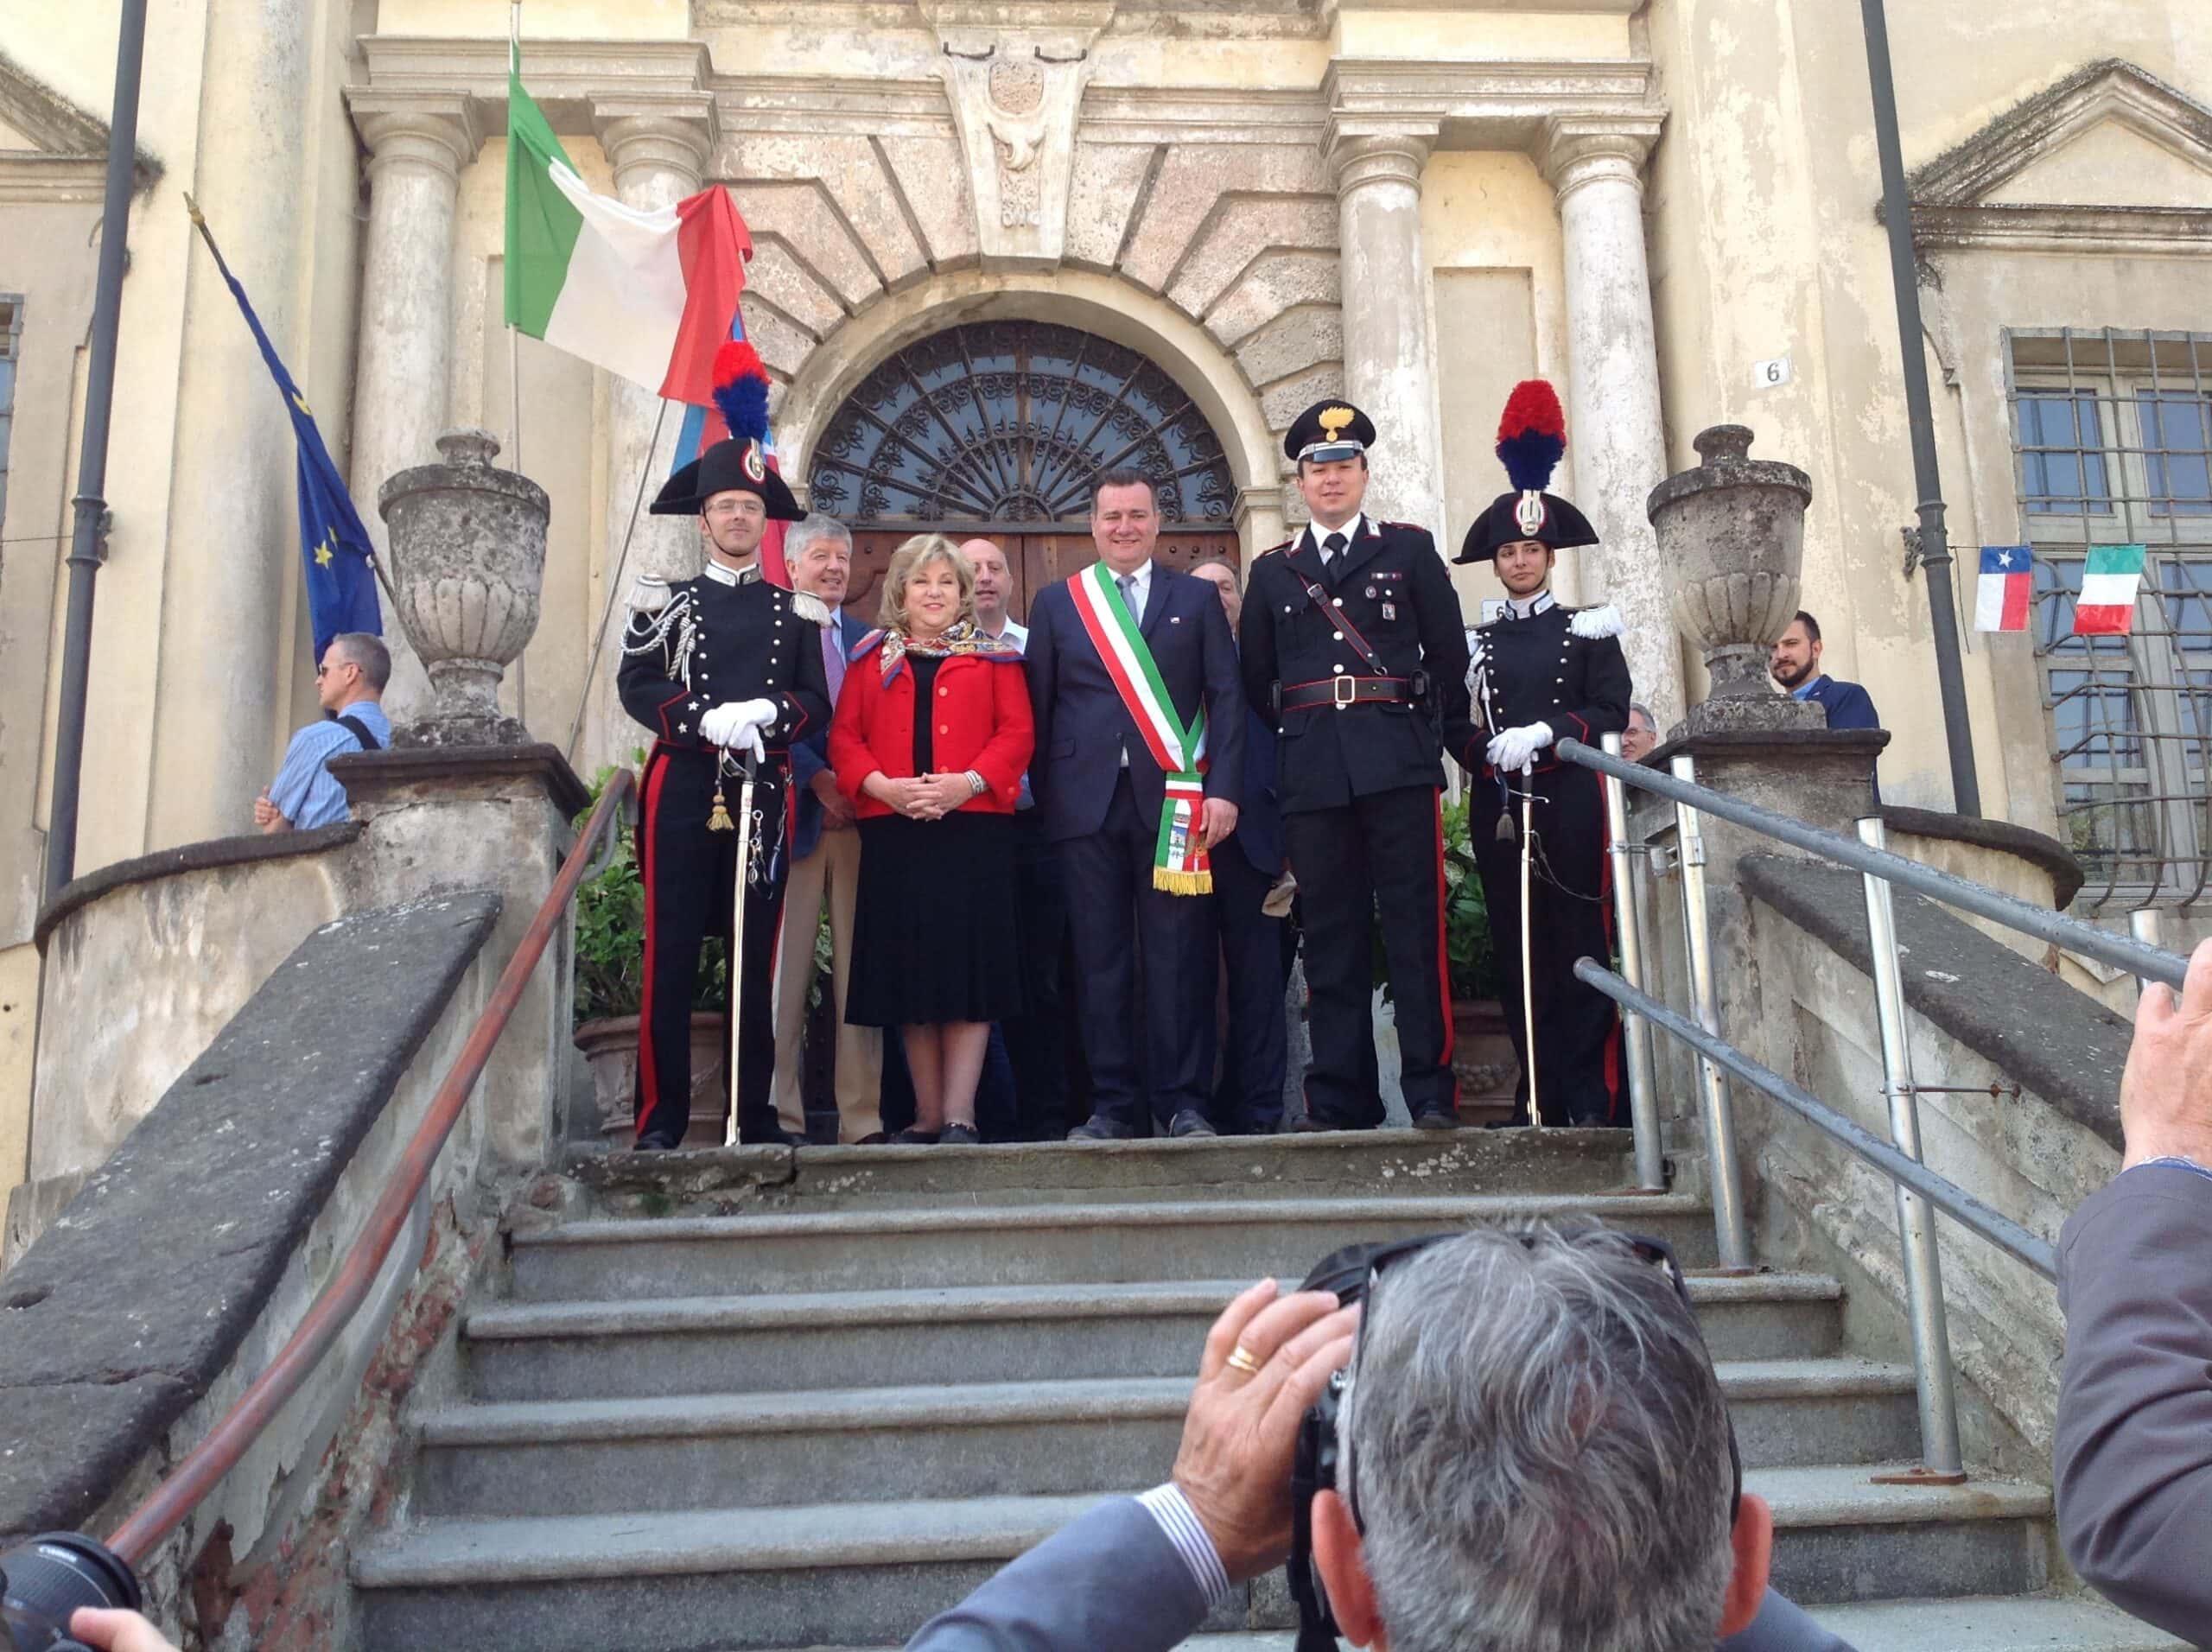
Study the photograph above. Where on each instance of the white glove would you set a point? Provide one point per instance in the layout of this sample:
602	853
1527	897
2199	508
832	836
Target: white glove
737	724
1517	747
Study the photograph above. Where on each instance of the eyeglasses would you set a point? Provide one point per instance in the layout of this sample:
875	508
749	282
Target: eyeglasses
1351	1275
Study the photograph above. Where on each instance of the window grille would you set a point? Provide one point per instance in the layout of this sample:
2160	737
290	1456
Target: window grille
2111	436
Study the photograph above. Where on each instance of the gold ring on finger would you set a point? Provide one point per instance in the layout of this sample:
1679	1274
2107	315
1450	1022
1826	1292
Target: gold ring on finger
1242	1360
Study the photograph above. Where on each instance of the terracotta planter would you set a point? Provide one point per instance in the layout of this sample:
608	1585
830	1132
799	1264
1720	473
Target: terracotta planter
610	1048
1482	1056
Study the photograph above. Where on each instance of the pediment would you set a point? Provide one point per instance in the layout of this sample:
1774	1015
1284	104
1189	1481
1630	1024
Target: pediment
14	139
2110	156
34	117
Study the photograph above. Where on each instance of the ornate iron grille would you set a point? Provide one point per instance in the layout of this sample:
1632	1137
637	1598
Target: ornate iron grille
2112	435
1006	421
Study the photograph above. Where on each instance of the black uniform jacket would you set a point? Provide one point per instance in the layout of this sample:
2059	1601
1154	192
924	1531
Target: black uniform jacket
1563	666
693	644
1389	587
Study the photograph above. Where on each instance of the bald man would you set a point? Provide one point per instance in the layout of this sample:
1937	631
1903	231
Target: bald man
994	584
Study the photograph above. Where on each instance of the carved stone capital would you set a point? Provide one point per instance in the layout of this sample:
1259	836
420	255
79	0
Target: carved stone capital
657	143
443	134
1356	158
1575	150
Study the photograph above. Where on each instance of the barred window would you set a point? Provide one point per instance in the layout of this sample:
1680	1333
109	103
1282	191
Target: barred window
2113	442
11	331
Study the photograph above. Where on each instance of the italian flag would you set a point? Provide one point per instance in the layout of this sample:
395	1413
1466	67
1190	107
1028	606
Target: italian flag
650	295
2109	580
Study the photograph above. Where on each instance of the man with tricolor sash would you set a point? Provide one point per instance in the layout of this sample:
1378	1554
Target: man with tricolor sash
1139	717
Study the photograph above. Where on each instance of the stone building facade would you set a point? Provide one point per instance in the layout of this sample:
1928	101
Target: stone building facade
1000	241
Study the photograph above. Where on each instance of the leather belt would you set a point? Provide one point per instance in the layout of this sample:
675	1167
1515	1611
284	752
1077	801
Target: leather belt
1342	691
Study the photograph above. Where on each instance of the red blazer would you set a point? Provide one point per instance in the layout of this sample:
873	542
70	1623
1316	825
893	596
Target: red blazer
980	706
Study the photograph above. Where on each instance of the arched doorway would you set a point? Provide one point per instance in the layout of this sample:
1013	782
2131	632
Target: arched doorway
995	429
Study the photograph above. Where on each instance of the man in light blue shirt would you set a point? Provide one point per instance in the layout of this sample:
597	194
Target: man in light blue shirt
350	683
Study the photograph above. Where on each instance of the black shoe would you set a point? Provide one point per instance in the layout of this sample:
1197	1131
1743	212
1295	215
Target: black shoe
654	1144
960	1135
873	1139
1308	1124
1437	1118
773	1137
911	1137
1099	1127
1190	1122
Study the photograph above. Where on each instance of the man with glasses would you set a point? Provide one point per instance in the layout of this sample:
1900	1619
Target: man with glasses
1533	1452
350	684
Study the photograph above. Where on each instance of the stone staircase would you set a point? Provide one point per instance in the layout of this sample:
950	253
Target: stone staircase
711	1413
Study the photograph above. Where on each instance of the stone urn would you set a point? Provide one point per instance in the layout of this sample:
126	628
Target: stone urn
468	560
610	1049
1731	543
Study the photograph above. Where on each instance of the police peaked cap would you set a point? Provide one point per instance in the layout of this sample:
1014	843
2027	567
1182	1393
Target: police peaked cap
1531	439
1331	430
739	464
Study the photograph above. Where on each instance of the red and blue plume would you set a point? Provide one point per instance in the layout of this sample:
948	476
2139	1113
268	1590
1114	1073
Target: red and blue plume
1532	436
741	390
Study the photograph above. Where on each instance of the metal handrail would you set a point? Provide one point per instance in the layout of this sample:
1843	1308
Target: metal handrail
1948	1197
2148	963
203	1467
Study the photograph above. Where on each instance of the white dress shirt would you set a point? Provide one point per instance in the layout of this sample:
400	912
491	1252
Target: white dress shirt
1351	530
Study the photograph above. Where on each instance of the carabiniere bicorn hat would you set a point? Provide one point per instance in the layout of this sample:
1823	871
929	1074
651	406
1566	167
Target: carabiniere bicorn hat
1331	430
1531	439
740	463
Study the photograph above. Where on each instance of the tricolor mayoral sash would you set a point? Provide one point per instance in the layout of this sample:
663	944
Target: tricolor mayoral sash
1179	863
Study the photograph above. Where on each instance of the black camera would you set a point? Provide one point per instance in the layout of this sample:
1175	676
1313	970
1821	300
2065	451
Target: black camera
43	1581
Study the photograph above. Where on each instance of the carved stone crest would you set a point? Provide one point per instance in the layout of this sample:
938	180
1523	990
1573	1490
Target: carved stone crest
1015	74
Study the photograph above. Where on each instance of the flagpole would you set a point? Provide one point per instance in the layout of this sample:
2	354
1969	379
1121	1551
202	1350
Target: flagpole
614	584
514	389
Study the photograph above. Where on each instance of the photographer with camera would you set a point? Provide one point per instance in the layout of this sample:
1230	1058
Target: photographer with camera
1522	1446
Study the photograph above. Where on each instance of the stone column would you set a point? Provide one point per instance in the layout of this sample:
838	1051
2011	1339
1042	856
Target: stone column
1389	363
1616	438
403	361
660	157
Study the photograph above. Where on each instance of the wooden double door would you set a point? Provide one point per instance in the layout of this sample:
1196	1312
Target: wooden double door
1035	558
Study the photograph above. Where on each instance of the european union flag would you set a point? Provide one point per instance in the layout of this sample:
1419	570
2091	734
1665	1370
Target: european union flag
333	545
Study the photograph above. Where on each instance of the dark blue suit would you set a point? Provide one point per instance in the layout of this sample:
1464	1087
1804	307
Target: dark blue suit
1846	704
1105	819
810	756
1249	1100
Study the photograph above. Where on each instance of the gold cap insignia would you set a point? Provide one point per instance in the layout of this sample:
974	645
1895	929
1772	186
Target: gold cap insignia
1333	421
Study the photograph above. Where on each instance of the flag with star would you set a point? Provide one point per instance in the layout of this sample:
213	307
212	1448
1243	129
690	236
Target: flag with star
338	559
2005	591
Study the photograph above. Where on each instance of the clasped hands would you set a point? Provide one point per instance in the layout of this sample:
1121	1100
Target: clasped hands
922	797
1517	749
735	724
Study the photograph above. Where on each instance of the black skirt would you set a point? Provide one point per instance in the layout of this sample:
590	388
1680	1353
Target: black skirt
937	933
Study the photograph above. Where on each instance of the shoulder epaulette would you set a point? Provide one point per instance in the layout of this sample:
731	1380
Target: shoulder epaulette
810	608
1271	549
1597	622
649	594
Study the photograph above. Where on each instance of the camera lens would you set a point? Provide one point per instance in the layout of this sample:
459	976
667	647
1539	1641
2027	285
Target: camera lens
44	1580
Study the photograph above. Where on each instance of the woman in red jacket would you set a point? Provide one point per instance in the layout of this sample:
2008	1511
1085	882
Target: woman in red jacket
930	738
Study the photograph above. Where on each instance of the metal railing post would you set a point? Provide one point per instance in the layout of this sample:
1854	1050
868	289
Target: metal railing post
1731	1234
1924	1277
1635	1033
2143	924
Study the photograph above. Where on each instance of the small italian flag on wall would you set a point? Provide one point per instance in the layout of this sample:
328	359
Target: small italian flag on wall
2109	582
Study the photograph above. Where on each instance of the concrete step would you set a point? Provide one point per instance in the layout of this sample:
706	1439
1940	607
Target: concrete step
936	1245
1352	1161
984	1439
870	1574
995	1333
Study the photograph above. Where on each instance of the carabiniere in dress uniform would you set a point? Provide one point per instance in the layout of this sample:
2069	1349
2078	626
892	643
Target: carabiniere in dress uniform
726	671
1539	671
1352	639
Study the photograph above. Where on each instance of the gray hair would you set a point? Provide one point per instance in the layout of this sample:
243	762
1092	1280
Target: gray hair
1644	712
813	526
368	652
1536	1446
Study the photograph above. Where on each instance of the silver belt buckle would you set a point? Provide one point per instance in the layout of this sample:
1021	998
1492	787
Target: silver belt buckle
1344	690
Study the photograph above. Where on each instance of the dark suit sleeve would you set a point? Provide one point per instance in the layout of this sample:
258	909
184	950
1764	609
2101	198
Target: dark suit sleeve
1225	701
2133	1452
802	709
1255	646
1041	665
1444	652
1852	708
1111	1579
1782	1626
655	699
